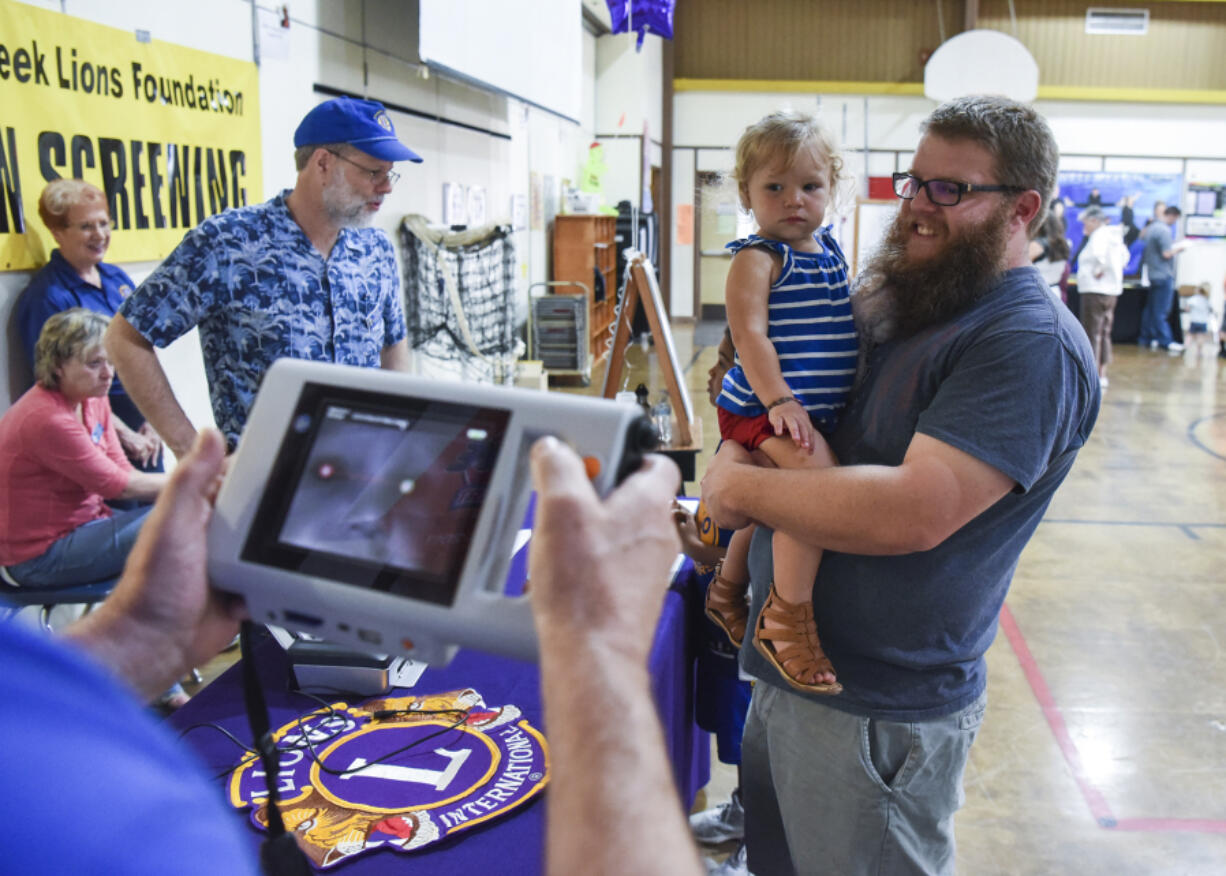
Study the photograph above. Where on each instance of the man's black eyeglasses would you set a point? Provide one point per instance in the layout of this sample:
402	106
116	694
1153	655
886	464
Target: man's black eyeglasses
377	177
943	192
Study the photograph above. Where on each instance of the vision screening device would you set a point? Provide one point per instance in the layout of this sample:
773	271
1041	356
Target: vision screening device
380	511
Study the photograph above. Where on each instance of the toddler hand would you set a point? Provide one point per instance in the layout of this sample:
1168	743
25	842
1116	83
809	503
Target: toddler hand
793	419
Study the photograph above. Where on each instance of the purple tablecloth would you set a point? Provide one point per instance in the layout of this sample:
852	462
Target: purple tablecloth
510	845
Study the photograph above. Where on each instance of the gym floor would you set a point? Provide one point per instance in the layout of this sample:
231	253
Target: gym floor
1104	746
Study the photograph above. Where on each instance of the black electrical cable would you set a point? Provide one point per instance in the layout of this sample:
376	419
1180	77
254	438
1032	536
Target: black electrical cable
280	854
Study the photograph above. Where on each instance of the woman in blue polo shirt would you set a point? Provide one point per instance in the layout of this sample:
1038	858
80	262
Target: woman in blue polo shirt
76	214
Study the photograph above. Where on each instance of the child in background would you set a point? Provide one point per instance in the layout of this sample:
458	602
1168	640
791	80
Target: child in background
791	320
1221	335
1200	321
721	697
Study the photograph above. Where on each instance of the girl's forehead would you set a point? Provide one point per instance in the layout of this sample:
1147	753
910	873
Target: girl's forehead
783	159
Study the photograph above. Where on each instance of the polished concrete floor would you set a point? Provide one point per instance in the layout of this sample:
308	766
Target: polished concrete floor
1104	747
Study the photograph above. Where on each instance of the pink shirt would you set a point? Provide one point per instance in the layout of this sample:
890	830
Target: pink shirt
55	471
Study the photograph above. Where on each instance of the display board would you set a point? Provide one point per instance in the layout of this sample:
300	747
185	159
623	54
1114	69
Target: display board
1126	198
1205	210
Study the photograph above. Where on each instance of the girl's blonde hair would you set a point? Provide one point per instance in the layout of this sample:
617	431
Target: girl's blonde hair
782	135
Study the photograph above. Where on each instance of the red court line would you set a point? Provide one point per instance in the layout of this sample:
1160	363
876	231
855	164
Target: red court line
1094	798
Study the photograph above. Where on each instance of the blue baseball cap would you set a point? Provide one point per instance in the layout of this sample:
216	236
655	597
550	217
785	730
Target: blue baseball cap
363	124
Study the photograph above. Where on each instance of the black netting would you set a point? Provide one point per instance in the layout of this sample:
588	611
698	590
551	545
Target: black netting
483	264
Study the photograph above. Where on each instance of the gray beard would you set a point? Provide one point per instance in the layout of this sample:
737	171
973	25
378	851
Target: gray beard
357	217
339	212
898	296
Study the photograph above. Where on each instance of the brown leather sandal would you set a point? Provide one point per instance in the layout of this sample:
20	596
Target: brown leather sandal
793	649
727	606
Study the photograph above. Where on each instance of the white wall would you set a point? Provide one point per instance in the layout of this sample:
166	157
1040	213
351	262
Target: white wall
629	85
881	132
628	103
365	48
681	264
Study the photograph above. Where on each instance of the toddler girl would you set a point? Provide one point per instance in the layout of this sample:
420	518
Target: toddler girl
790	314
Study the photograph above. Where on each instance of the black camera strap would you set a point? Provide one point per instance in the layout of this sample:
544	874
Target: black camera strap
280	854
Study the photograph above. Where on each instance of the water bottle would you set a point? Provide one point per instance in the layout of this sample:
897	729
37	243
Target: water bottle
662	419
640	395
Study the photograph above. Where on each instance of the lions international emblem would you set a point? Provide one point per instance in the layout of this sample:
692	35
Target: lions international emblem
401	772
383	120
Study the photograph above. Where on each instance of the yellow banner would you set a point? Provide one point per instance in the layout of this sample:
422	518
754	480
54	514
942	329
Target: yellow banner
171	134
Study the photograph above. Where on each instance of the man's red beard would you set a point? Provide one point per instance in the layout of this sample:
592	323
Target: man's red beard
900	295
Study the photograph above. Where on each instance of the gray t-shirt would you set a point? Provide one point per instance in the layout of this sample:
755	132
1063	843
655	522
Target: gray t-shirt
1158	241
1012	382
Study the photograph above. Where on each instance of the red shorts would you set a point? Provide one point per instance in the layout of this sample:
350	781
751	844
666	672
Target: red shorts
749	432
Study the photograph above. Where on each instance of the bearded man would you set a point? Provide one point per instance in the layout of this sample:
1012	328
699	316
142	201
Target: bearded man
977	389
298	276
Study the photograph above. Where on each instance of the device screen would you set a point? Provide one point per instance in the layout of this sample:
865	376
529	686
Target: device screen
378	491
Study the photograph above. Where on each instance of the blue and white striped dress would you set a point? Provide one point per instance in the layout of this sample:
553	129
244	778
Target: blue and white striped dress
811	326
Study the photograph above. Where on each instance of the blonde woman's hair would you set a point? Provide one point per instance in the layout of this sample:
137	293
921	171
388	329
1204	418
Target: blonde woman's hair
61	195
781	136
65	335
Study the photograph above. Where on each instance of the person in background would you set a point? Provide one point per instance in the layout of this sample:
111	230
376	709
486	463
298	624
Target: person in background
298	276
76	214
1049	252
1201	320
75	726
1221	336
62	460
1100	282
1159	260
1127	206
725	359
721	696
1155	217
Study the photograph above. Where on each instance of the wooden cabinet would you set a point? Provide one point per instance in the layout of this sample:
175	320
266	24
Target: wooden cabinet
584	250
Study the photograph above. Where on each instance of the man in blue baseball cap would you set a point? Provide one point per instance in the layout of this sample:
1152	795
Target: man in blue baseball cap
301	276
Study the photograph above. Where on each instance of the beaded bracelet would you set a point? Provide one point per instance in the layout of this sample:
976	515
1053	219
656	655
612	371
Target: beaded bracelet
782	401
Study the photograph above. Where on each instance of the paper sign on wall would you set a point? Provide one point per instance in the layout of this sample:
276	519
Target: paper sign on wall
685	224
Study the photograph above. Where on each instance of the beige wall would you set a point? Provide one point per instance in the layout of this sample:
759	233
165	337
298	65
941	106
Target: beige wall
886	41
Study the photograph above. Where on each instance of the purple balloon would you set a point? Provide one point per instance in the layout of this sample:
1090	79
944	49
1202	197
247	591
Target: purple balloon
643	16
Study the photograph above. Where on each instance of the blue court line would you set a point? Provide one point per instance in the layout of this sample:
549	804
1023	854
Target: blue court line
1196	441
1188	529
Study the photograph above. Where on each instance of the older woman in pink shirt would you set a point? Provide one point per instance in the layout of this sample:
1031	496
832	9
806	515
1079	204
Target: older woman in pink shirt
62	461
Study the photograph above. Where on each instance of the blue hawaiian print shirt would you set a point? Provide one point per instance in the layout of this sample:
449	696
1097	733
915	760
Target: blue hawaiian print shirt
259	290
